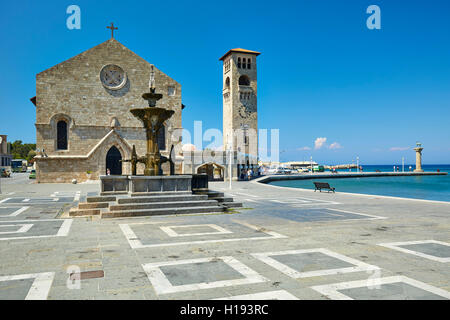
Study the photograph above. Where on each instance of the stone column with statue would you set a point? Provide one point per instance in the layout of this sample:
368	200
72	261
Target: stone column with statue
418	150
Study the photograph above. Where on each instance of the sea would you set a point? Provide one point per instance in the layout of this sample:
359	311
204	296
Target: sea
416	187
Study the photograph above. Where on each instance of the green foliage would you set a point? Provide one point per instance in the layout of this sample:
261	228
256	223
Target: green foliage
22	151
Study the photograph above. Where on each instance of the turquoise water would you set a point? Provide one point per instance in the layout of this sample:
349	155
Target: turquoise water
417	187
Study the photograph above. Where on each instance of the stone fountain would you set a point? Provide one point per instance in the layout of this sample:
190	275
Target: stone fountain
153	193
152	118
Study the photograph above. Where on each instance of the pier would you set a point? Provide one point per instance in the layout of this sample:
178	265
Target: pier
306	176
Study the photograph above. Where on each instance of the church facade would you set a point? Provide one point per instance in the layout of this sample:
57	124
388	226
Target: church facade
83	124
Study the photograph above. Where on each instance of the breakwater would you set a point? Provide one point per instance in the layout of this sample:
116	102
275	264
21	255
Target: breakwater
306	176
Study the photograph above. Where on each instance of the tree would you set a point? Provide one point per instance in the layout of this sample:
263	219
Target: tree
30	156
22	151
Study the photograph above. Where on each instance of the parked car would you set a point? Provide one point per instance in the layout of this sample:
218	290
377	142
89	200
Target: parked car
32	174
282	170
271	170
5	173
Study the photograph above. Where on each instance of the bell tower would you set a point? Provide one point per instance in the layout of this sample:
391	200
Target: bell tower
240	121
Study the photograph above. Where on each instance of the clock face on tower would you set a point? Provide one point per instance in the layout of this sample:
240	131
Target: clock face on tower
113	77
243	112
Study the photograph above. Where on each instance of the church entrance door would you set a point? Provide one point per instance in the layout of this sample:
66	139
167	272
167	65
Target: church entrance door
213	170
113	162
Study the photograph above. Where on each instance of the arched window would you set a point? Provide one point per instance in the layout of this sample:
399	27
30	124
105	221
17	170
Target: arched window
244	81
227	83
239	62
61	135
162	138
244	63
249	63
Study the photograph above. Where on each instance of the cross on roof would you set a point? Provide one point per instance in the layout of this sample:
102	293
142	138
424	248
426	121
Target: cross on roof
112	29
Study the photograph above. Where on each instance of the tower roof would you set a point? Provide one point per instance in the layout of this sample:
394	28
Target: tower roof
256	53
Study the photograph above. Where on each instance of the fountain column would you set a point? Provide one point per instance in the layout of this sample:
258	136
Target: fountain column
152	118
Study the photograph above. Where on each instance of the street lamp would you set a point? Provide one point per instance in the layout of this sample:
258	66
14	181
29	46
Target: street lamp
1	140
229	147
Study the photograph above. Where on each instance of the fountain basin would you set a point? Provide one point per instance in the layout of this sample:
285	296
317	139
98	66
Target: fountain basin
135	185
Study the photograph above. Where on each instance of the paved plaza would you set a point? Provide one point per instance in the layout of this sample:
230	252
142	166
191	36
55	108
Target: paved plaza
284	244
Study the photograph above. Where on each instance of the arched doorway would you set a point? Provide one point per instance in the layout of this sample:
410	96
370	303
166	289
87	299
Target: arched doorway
113	162
214	171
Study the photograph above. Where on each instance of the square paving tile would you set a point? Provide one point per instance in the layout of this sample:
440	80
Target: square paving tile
193	230
269	295
428	249
196	274
388	288
311	262
6	212
152	234
14	228
32	229
324	214
36	200
26	286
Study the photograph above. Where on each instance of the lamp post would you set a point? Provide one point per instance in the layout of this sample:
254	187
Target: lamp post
229	147
1	140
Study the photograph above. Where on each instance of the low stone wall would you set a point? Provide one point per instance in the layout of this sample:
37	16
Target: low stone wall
65	170
144	184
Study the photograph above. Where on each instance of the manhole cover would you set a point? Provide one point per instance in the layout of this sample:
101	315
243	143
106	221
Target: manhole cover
87	275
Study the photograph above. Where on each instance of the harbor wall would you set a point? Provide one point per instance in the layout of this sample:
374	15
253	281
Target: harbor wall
270	178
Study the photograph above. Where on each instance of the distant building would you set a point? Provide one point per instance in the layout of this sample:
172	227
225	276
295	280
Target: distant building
299	164
5	153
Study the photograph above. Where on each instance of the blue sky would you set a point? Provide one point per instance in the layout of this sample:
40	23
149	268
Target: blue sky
322	73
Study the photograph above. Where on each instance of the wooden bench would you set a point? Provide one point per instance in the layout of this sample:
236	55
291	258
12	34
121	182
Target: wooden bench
323	185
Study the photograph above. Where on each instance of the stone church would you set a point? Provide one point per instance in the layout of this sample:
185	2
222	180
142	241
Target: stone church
84	128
